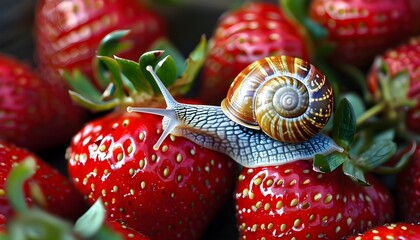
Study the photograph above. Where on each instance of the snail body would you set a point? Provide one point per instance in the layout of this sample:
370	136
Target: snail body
210	127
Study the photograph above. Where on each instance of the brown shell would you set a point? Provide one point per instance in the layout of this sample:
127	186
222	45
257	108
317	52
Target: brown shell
286	97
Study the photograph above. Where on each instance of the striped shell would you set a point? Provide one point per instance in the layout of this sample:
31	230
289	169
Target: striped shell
286	97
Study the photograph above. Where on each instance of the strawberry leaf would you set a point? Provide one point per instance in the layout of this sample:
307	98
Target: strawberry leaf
170	50
401	164
15	181
166	69
116	78
132	72
355	173
329	162
344	124
380	152
80	84
91	221
93	105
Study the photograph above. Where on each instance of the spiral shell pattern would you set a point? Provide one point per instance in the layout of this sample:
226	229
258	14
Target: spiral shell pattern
286	97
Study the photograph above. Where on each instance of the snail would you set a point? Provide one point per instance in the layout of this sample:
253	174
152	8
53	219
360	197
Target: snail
233	129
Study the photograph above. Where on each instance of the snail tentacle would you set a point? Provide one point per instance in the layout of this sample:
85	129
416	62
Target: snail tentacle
209	127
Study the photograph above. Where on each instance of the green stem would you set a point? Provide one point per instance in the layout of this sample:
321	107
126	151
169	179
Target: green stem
15	181
370	113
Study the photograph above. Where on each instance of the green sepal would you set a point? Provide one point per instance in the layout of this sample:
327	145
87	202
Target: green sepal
355	173
131	70
37	224
151	58
166	69
15	182
82	85
93	105
170	50
329	162
344	124
356	102
114	69
194	63
380	152
110	45
91	221
401	164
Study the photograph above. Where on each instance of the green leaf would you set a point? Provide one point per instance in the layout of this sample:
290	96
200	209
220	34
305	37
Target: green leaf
380	152
114	68
356	102
329	162
166	70
355	173
92	105
401	164
344	124
15	182
170	50
82	85
151	58
111	44
91	221
194	63
132	72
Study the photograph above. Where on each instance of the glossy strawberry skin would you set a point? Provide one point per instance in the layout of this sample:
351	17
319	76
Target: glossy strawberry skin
61	196
68	32
170	193
359	30
34	114
408	190
243	35
404	231
126	232
292	200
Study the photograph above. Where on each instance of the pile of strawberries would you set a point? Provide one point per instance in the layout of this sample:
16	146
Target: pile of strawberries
90	65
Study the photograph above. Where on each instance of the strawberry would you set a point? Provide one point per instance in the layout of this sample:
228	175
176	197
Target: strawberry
243	35
359	30
60	196
171	192
68	32
398	68
295	202
34	114
404	231
408	189
126	232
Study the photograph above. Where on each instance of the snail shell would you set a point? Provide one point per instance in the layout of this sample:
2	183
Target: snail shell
286	97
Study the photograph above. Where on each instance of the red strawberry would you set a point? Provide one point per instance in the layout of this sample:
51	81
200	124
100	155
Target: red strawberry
33	113
408	189
389	65
61	198
359	30
68	32
243	35
404	231
126	232
293	201
173	192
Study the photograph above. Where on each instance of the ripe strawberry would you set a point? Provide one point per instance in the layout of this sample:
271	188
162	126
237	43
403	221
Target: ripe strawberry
68	32
126	232
390	65
60	196
33	113
243	35
359	30
293	201
168	193
404	231
408	189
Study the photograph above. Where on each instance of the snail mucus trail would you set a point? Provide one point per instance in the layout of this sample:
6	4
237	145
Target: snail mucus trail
210	128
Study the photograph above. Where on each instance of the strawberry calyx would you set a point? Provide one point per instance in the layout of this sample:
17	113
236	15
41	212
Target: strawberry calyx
361	154
127	82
